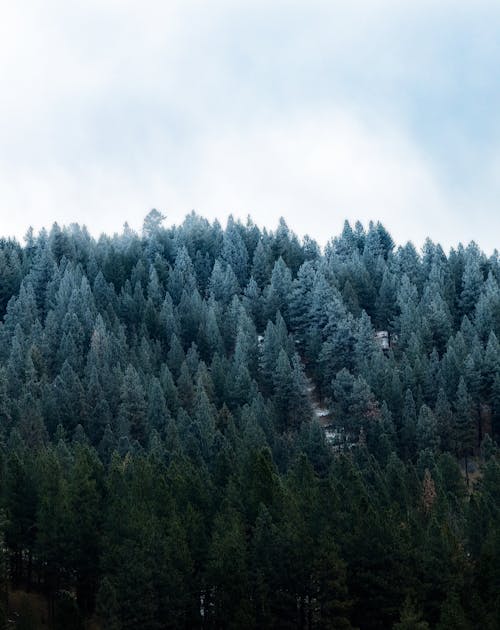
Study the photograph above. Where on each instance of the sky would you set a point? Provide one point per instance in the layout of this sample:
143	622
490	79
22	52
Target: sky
317	111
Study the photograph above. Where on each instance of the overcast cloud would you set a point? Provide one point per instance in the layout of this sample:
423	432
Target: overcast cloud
315	111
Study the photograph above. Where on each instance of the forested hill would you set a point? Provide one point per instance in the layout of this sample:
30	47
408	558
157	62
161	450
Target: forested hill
161	465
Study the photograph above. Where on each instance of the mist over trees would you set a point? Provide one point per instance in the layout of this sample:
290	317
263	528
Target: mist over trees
163	464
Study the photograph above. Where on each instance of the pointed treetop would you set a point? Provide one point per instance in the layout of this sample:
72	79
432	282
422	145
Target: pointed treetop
152	222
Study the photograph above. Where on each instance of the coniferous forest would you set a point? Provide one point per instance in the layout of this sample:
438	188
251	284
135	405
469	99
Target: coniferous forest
207	427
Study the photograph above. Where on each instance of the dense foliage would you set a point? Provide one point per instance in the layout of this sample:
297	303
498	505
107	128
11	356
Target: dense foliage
161	462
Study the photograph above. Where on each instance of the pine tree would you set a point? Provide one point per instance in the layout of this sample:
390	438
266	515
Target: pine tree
282	382
107	607
223	284
277	294
411	618
452	615
386	304
227	576
152	223
261	265
471	284
427	430
157	412
234	252
84	511
185	388
409	424
159	456
132	411
490	367
444	420
464	425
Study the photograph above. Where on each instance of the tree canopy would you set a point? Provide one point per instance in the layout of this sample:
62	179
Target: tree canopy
207	427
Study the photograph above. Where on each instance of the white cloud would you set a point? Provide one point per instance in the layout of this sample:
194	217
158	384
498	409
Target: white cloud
110	107
316	170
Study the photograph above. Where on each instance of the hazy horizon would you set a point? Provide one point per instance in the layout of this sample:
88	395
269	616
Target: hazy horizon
320	113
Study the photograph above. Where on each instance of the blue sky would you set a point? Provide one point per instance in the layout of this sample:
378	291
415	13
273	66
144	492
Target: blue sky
315	111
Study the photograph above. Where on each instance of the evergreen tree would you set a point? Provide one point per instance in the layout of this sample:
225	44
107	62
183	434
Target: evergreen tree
427	430
411	618
234	252
409	424
471	284
132	411
161	463
278	292
464	425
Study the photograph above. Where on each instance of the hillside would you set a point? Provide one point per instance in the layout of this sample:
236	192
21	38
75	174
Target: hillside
232	428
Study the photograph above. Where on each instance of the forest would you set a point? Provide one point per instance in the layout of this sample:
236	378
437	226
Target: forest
162	460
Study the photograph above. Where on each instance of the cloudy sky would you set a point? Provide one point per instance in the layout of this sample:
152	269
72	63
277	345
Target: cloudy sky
314	110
